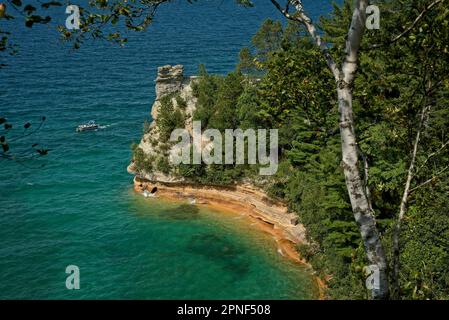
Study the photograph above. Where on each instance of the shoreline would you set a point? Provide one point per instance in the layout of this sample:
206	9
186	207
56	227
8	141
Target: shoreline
271	217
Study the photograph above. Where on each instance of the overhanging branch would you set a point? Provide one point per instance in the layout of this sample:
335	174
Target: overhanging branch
435	176
410	28
301	17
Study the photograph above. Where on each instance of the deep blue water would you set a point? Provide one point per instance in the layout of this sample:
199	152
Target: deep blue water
80	208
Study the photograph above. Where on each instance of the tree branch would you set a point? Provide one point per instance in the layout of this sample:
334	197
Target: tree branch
443	146
301	17
430	180
403	206
410	28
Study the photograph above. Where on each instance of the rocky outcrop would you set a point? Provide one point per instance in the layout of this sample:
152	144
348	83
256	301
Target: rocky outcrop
169	80
243	197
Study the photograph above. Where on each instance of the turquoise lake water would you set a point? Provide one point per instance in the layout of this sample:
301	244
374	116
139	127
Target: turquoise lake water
79	209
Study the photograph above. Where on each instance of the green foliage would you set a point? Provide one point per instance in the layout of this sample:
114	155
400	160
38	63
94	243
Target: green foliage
163	165
425	255
267	39
206	92
224	114
169	118
181	103
246	61
142	162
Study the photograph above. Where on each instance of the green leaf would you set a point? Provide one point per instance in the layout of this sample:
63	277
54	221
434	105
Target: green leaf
17	2
29	9
36	19
46	5
245	3
29	23
114	20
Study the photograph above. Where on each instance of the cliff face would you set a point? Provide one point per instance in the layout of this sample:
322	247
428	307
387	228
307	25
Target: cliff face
244	198
170	82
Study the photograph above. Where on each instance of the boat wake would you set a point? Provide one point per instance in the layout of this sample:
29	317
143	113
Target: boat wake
91	126
105	126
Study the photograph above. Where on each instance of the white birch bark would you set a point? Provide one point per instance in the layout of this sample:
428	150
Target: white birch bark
361	208
359	197
360	203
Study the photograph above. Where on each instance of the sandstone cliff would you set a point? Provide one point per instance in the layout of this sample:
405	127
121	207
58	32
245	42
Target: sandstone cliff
243	197
170	81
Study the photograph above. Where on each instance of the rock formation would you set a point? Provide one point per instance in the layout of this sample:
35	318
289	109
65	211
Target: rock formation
244	198
169	80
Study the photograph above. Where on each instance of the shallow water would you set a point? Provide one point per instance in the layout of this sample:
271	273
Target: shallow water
80	208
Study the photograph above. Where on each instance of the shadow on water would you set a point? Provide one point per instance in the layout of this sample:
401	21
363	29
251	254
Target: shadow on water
222	251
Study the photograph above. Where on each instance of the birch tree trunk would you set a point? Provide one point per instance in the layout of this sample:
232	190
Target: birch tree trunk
357	189
360	202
